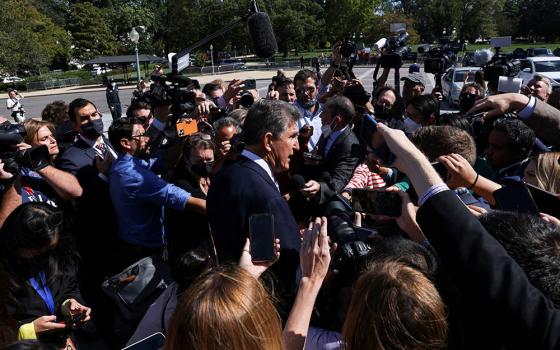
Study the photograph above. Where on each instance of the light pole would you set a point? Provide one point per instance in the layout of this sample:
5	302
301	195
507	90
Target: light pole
212	57
135	37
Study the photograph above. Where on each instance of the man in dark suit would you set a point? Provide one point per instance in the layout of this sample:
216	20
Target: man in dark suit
332	174
89	159
501	309
248	186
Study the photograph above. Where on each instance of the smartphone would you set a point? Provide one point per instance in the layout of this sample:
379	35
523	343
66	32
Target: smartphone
250	84
312	157
547	202
441	170
152	342
376	202
261	234
186	127
516	197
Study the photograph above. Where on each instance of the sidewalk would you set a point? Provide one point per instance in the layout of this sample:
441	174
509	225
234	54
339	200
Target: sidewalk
202	79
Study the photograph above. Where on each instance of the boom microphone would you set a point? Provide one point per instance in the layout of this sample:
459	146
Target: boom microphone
262	35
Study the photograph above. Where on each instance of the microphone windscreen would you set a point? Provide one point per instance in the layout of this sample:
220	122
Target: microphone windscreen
262	35
298	180
482	57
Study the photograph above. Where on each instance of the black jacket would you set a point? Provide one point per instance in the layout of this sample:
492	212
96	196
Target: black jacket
502	309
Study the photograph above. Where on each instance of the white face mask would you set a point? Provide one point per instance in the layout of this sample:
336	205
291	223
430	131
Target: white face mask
410	126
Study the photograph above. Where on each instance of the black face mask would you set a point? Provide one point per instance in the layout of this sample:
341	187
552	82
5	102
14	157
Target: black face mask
466	102
94	129
381	111
202	170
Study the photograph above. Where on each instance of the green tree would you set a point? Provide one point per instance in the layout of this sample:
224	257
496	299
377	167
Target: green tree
31	41
346	18
91	33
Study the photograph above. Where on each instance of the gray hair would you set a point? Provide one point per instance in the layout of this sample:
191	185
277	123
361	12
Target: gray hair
264	116
226	122
540	77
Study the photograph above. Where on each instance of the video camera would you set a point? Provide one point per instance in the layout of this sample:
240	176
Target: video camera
34	158
392	50
501	65
179	94
437	61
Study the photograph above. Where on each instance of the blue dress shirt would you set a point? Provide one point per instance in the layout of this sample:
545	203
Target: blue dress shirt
139	197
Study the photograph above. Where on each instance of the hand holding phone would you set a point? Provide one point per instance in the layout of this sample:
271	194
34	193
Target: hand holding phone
262	236
376	202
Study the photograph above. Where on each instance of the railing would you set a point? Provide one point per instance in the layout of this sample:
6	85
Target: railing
53	84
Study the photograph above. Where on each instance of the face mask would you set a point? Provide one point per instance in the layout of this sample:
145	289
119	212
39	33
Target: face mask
114	85
381	111
92	130
466	102
410	126
202	170
308	104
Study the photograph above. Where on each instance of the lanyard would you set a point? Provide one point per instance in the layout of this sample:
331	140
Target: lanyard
44	291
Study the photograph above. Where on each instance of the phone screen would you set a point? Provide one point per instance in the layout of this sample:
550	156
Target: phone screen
547	202
516	197
261	232
376	202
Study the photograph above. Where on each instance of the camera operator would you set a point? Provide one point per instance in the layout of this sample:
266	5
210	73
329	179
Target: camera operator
139	195
36	179
335	147
13	103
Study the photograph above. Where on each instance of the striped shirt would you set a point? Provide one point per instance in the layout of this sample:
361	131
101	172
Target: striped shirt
363	178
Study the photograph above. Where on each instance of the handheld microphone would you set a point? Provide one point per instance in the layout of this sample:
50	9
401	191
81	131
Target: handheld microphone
262	35
298	180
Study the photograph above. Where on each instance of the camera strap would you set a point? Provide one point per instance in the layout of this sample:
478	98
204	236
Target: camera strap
43	290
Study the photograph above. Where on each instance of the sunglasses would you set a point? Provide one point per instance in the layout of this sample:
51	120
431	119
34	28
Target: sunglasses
53	221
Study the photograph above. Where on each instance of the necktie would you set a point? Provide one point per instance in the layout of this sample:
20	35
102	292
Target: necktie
102	148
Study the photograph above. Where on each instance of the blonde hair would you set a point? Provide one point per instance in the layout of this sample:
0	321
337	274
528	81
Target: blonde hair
32	127
547	171
225	309
395	307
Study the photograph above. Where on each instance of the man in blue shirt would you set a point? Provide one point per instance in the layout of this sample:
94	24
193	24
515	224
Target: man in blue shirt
139	196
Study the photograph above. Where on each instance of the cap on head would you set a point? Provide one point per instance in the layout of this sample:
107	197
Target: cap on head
416	78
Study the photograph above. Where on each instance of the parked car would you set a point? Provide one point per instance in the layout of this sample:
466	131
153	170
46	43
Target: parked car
235	63
452	83
549	66
13	79
539	51
99	71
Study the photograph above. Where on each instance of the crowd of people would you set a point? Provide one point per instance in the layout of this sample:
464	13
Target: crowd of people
108	239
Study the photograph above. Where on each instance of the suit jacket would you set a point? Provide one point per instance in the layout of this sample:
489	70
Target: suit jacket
95	217
546	123
502	308
337	166
241	189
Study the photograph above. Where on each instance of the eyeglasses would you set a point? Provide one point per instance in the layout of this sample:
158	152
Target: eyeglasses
53	221
199	136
